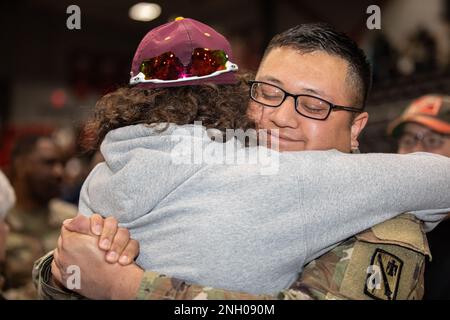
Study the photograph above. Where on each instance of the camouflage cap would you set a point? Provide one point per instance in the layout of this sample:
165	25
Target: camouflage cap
432	111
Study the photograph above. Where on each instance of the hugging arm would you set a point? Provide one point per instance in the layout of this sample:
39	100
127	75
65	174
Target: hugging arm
349	193
331	276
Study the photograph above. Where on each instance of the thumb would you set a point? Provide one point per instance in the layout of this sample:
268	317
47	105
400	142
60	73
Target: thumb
80	224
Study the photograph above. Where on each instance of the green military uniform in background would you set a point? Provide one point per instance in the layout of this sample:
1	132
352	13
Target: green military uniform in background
32	234
385	262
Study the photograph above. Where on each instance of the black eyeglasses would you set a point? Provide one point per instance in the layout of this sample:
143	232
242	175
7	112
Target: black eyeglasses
306	105
430	140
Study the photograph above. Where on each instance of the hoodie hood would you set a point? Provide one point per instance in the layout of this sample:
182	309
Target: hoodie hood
165	158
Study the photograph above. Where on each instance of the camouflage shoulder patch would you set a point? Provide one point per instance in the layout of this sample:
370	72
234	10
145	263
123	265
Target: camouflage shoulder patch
402	268
404	230
383	276
388	262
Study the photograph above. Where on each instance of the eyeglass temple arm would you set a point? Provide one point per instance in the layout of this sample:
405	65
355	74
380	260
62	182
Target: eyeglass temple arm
347	108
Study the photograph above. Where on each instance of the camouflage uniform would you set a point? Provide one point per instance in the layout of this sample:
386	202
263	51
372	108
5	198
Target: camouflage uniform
385	262
32	234
395	251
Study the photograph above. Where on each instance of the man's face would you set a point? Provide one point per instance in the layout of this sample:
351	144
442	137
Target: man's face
318	74
418	138
43	170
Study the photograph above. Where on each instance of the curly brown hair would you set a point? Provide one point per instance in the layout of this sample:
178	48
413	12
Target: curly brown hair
216	106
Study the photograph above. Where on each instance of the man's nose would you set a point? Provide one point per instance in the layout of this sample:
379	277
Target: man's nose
285	115
418	148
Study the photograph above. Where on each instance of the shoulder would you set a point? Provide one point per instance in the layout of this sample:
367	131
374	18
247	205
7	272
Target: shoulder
385	262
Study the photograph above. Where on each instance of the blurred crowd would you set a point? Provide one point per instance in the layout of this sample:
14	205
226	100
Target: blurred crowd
46	176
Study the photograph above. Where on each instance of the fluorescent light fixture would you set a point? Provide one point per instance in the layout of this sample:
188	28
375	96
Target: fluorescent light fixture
144	11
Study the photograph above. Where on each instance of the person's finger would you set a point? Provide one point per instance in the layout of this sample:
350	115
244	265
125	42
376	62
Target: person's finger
119	243
59	243
130	253
64	234
56	273
96	224
80	224
110	226
56	260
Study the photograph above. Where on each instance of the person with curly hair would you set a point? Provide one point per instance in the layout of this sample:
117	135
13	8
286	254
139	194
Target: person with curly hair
231	225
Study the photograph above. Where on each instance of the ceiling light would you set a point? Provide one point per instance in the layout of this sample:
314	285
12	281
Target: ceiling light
144	11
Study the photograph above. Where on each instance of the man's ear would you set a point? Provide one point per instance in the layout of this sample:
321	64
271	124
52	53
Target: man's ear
358	125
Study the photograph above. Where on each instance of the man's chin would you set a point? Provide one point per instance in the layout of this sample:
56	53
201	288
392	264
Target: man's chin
286	145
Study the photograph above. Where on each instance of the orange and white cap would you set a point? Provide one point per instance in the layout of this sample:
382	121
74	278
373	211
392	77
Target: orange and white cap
432	111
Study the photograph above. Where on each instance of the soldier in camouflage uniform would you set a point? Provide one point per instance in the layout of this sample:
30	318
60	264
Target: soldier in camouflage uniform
349	271
35	221
385	262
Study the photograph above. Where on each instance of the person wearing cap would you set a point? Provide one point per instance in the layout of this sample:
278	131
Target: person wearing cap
205	198
425	127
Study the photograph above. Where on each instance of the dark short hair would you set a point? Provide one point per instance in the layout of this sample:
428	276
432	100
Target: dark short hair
23	147
322	37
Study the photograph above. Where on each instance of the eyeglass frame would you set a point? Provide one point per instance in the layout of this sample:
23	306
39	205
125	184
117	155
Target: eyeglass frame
295	96
419	138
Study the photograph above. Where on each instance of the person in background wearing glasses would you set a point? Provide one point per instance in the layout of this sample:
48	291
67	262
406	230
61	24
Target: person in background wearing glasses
231	227
425	127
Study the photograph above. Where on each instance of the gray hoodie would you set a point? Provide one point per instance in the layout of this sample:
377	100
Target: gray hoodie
233	226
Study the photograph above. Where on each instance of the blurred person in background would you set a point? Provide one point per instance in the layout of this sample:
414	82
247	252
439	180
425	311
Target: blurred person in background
36	176
425	127
77	162
7	199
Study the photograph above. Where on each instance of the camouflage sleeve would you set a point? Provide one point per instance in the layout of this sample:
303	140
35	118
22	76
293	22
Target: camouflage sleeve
42	279
155	286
